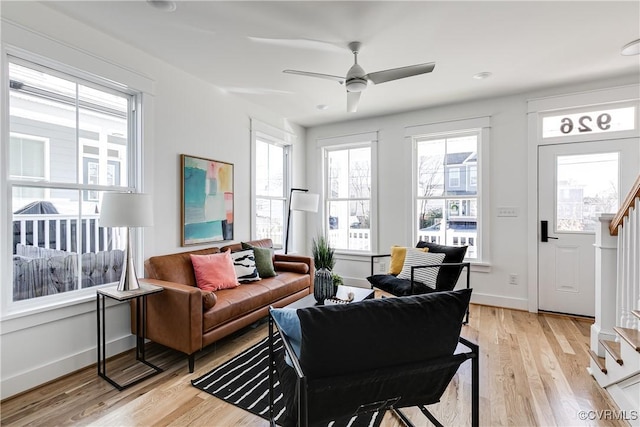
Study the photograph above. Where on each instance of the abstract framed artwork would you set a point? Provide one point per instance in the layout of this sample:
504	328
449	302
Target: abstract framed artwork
207	200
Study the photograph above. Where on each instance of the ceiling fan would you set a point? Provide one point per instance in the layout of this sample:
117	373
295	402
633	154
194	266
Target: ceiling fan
357	80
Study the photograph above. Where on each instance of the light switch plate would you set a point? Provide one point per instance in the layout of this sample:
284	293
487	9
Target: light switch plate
508	211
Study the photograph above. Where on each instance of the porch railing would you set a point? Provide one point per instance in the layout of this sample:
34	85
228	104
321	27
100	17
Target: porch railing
64	232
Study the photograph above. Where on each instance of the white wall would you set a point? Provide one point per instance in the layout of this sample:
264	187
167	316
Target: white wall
508	186
182	114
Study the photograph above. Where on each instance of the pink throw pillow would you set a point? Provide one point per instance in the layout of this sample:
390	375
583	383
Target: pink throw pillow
214	271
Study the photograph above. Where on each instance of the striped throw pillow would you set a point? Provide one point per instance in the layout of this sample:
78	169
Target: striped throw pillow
415	258
244	263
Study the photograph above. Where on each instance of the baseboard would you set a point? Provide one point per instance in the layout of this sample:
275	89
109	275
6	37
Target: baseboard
40	375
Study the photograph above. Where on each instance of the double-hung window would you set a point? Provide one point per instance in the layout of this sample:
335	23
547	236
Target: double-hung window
348	192
447	185
71	140
271	186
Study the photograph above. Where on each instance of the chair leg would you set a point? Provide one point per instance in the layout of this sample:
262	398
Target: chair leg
406	421
475	391
429	415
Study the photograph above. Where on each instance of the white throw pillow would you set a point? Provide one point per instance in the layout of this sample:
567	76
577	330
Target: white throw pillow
415	258
244	263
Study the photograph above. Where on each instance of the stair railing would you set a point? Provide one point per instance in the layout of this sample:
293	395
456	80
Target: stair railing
626	225
617	270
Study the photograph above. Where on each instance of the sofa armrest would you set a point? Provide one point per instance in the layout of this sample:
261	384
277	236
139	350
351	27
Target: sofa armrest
174	316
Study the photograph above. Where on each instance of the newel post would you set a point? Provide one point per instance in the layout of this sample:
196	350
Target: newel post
606	248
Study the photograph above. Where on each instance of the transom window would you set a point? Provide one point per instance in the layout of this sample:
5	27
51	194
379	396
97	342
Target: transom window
71	140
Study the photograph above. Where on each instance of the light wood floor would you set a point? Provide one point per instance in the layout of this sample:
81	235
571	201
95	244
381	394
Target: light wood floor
532	372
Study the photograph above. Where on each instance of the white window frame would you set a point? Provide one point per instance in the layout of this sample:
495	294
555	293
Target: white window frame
10	308
325	145
481	125
271	135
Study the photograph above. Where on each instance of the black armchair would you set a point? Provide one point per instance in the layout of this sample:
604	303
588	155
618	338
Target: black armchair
448	272
374	355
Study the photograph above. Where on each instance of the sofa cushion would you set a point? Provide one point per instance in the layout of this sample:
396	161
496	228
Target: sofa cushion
264	260
214	271
448	276
237	302
244	263
396	286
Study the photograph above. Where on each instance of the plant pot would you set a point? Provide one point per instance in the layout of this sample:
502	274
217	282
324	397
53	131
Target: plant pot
323	285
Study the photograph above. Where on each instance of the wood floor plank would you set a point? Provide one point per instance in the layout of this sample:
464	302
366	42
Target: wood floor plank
532	372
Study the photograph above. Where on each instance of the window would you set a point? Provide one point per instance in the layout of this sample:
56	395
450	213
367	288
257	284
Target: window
71	140
447	184
454	177
348	193
271	184
30	155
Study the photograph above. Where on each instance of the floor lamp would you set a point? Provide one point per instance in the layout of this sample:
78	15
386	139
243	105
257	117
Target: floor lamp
299	200
126	210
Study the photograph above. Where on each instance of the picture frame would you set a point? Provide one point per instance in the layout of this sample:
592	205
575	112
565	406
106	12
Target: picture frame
206	200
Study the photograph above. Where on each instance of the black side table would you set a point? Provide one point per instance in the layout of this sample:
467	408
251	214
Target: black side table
141	314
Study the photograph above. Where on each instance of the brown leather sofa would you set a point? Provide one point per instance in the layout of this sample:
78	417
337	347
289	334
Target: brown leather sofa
183	318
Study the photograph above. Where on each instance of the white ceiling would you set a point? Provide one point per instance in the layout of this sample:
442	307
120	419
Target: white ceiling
526	45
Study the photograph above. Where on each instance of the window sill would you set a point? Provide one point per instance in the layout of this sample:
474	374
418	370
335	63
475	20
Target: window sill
27	314
354	256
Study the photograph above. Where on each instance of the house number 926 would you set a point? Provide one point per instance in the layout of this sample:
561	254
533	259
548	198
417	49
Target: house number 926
586	123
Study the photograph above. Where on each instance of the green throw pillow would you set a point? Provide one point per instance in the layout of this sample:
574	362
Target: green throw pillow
264	260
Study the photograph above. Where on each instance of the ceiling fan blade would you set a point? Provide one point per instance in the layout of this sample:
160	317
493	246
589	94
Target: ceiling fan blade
400	73
353	99
319	75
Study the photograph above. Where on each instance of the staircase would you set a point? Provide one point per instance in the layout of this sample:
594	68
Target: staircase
615	335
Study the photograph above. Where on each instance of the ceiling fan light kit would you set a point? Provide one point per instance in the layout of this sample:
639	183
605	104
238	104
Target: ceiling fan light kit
357	79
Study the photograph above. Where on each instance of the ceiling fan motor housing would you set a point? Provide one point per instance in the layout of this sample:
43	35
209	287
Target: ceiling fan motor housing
355	81
356	84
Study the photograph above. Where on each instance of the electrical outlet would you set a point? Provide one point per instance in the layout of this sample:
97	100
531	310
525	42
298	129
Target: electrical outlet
513	279
382	267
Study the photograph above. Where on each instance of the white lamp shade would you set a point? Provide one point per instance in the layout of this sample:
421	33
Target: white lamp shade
126	210
307	202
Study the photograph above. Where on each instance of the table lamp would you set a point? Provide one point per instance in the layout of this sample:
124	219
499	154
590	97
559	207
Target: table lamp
126	210
299	200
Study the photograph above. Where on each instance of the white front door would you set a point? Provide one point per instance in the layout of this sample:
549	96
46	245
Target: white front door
577	182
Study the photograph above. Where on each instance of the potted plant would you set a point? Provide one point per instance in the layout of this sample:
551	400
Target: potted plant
323	258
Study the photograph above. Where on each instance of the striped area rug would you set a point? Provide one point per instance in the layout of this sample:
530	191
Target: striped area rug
244	382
